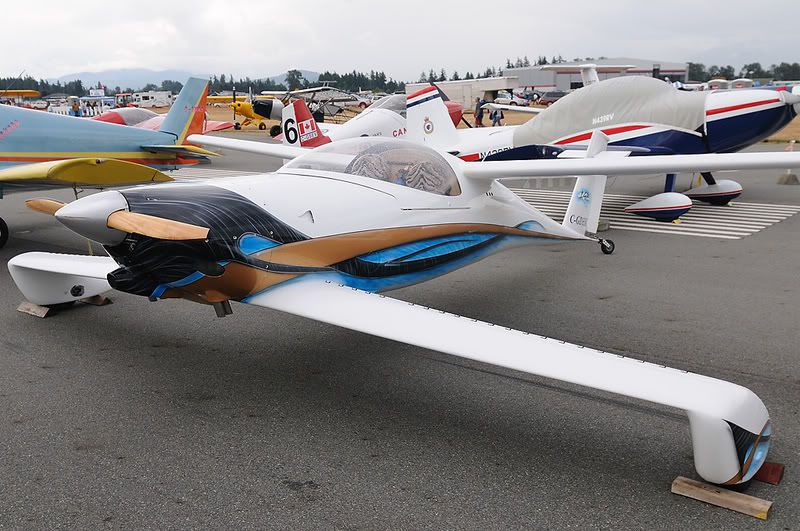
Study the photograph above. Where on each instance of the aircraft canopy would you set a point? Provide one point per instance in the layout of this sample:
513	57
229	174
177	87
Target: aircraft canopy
389	160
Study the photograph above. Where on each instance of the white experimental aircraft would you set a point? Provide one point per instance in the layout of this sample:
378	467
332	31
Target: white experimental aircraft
339	224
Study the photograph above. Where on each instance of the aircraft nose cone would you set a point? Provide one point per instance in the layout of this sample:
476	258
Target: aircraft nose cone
88	216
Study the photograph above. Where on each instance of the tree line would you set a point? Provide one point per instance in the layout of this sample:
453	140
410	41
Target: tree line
378	81
779	72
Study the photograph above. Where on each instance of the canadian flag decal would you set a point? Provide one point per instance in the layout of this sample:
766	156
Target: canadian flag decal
307	130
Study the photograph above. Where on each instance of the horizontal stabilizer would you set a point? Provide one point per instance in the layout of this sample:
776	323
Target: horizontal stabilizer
51	278
183	149
512	108
84	172
249	146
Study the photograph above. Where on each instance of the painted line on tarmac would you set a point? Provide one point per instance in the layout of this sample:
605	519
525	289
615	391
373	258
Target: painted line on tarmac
732	222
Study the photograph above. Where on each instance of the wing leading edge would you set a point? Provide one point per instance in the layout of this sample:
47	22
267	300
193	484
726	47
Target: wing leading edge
713	406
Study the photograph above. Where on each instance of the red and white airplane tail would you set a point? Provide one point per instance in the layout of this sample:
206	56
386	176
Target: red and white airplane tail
428	120
299	127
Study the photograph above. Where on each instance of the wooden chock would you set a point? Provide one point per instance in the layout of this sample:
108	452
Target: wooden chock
771	473
721	497
33	309
96	300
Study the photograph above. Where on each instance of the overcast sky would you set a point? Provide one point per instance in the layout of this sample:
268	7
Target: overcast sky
259	38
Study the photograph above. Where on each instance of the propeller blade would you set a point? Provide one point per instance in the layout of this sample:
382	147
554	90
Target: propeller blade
155	227
45	206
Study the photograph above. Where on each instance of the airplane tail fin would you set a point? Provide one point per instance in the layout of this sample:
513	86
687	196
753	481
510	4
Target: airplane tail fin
428	120
188	112
299	127
583	212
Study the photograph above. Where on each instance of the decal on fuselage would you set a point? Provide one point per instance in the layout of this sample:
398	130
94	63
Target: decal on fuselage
484	154
603	118
10	128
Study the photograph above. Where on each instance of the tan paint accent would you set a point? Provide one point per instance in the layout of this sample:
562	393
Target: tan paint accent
45	206
241	280
155	227
237	282
329	250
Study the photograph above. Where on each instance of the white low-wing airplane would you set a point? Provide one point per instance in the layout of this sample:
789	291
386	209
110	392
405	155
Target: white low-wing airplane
339	224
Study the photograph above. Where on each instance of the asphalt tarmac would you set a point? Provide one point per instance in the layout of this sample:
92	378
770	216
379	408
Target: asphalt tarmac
160	415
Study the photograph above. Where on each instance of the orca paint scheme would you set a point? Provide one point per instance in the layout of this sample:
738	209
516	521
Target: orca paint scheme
336	226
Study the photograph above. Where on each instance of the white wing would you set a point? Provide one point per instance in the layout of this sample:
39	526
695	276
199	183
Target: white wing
51	278
261	148
611	165
513	108
708	401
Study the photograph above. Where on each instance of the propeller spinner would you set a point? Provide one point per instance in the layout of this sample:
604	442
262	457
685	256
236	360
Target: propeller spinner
104	218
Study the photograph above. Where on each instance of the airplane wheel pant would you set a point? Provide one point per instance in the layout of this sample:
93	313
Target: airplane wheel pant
3	233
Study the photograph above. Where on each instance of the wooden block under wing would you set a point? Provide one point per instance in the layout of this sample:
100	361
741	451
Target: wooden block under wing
721	497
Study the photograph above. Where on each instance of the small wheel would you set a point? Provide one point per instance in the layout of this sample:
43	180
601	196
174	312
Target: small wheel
275	130
607	246
514	103
237	126
3	233
262	126
362	105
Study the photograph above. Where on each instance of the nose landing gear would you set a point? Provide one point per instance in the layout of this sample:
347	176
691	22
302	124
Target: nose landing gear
607	246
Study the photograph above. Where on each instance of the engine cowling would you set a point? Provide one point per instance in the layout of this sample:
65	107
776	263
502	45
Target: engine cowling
721	193
270	109
667	206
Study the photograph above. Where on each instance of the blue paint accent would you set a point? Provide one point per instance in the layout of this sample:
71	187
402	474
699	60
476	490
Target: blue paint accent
435	94
381	284
254	243
662	215
669	183
666	143
426	248
534	226
185	281
736	133
759	452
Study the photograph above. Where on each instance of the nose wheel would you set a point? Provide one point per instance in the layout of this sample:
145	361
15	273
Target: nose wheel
607	246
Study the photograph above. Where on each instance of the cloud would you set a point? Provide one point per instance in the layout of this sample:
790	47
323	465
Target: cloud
256	38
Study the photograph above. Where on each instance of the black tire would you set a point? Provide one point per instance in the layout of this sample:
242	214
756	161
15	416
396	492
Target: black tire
514	103
237	126
3	233
607	246
262	126
362	105
275	130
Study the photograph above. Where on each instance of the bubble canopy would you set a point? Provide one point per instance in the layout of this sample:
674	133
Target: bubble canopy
384	159
394	102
